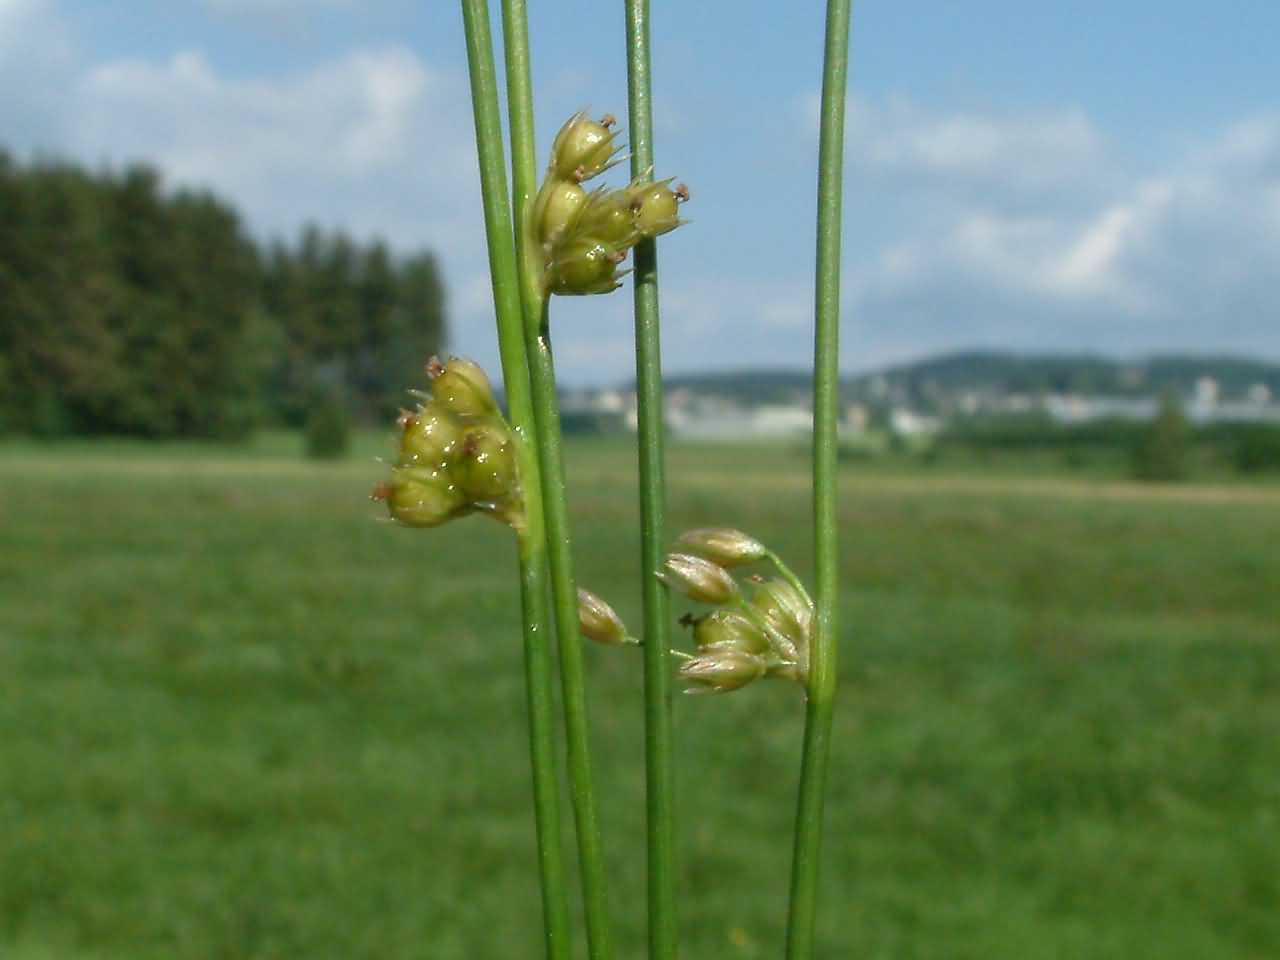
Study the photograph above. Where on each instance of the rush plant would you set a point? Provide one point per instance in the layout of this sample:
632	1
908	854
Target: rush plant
564	235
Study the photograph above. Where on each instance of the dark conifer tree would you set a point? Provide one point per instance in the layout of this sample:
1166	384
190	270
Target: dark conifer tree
129	309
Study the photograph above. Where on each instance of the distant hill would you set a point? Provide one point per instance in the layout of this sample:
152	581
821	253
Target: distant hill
748	387
934	381
1086	374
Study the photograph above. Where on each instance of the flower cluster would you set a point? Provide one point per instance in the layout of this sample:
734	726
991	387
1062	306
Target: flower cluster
584	235
457	453
747	637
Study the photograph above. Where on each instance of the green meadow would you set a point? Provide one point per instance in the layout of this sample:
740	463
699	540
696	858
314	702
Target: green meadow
242	717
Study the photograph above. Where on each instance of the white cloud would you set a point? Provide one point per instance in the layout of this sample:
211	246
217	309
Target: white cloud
1032	255
965	228
710	306
36	66
1180	258
897	138
293	147
376	141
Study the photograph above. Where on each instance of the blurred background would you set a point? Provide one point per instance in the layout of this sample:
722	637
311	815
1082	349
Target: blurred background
242	717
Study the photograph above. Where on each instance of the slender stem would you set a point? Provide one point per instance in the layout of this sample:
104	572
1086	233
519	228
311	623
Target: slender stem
788	574
524	166
822	658
547	420
659	770
565	594
533	555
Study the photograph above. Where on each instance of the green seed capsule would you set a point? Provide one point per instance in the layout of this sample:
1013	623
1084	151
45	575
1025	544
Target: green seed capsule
728	630
431	437
583	148
558	206
486	468
607	216
461	387
585	266
656	207
422	497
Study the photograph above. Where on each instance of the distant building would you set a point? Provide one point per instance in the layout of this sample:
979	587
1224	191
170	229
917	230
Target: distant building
1206	395
1071	408
908	423
597	411
727	421
856	418
703	415
1205	406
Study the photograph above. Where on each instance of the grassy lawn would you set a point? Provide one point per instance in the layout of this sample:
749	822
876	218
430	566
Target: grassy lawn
240	717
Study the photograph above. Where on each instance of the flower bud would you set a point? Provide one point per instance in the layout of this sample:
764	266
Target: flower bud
656	207
583	148
698	579
421	497
598	622
724	545
729	630
585	266
461	387
486	466
607	216
559	204
430	436
721	670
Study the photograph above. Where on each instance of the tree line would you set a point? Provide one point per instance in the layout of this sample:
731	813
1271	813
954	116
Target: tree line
128	309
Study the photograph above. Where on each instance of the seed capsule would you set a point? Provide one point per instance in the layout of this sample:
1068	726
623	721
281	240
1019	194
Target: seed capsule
486	468
430	437
607	216
726	546
422	497
559	204
786	612
728	630
462	387
656	207
457	454
721	670
586	266
583	148
698	579
598	621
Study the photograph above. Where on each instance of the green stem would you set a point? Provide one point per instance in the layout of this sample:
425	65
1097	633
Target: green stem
788	574
659	769
524	166
822	658
547	420
533	555
565	594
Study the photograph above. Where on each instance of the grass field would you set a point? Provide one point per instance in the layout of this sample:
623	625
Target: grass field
241	718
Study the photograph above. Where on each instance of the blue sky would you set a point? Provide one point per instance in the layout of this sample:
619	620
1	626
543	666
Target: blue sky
1079	175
